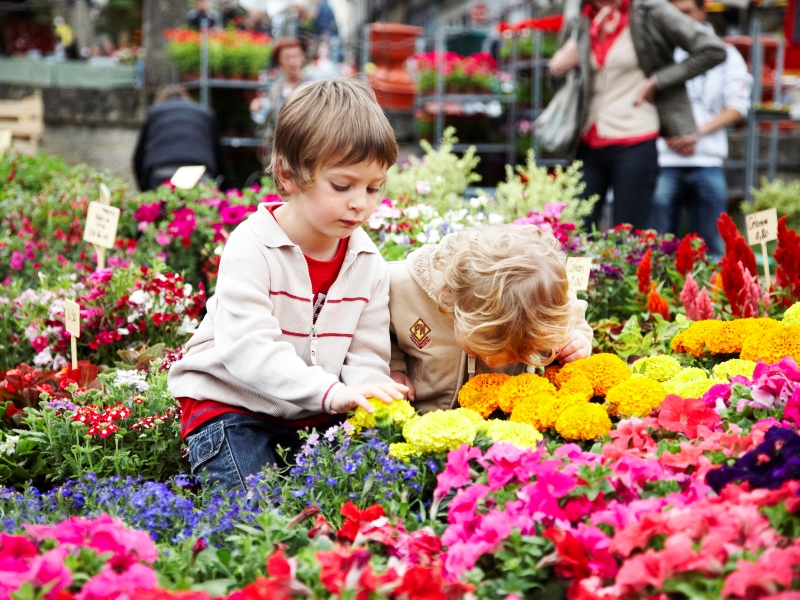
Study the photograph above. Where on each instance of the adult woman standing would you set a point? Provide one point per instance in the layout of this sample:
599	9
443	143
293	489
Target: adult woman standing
289	55
631	91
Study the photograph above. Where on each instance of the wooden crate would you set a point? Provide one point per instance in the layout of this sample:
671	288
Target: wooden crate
25	119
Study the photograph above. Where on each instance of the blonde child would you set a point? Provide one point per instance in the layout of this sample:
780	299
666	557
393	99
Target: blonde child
298	330
486	300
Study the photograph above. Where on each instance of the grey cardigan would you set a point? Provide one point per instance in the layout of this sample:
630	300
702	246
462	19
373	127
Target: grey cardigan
657	28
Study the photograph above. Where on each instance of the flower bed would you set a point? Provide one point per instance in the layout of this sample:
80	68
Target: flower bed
231	53
666	465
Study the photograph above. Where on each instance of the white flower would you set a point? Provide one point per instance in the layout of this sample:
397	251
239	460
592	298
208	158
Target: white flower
139	297
423	188
495	219
59	362
123	331
188	326
134	379
412	212
218	250
8	446
43	358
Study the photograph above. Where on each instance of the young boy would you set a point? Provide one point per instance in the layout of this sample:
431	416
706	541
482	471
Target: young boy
298	328
487	300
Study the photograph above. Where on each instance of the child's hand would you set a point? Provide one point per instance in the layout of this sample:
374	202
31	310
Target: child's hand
352	396
403	379
577	346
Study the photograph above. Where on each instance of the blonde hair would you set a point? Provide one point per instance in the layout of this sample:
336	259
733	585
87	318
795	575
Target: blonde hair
330	122
506	288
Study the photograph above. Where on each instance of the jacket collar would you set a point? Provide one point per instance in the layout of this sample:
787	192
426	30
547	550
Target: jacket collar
272	235
420	264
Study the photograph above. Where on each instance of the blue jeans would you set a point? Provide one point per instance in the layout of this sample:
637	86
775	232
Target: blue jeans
703	191
232	446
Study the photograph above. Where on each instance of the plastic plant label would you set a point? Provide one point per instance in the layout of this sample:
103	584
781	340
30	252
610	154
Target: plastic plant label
578	269
72	318
101	225
105	195
762	226
186	178
5	140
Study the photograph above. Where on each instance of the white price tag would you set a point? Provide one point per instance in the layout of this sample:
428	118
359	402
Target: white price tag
578	269
101	225
762	226
186	178
5	140
72	318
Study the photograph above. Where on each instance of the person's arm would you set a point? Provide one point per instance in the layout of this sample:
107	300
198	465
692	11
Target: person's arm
705	49
735	93
138	160
728	116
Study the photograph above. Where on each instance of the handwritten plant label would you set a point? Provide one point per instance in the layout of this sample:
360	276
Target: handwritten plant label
101	225
762	226
72	318
578	272
186	178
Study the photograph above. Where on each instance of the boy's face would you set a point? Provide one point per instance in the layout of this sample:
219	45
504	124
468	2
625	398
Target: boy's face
494	361
340	199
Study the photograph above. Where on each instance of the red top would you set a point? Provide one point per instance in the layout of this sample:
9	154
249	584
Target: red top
196	412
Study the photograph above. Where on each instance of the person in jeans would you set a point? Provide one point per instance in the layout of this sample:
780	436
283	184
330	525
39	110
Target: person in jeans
691	166
298	330
632	90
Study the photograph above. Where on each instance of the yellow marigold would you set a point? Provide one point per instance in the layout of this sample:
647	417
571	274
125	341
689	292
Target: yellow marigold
480	392
636	397
660	367
792	315
733	367
693	389
470	414
521	435
730	337
693	340
551	372
515	389
535	411
402	451
579	384
399	411
440	431
584	422
689	374
603	370
772	345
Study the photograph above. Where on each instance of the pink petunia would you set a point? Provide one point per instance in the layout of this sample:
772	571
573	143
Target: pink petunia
685	415
111	585
456	472
49	569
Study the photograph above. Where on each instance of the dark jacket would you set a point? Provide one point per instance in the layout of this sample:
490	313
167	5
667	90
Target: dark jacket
657	28
178	132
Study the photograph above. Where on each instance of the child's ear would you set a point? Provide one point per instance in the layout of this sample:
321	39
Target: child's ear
288	184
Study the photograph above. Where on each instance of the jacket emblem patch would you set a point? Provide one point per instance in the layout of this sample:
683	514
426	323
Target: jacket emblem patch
419	334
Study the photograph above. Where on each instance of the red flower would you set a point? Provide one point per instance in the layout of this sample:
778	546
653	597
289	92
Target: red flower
355	518
572	559
685	415
427	583
687	255
736	251
656	305
340	564
644	270
787	255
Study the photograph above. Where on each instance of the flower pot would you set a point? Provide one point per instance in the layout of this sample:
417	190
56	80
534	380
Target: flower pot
391	44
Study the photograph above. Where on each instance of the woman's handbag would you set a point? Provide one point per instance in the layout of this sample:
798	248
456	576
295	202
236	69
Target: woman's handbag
557	127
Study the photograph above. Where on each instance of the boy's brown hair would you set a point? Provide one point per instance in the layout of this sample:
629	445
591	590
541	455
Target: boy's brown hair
330	122
506	288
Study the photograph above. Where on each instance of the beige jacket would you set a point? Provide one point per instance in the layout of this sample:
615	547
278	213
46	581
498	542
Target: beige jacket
423	342
254	347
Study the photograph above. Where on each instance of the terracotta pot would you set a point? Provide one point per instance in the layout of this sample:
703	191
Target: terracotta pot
391	44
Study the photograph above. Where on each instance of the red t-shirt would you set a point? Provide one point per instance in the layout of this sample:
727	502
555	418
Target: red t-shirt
196	412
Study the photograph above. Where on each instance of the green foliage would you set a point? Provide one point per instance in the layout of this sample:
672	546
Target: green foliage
638	339
531	187
441	169
781	195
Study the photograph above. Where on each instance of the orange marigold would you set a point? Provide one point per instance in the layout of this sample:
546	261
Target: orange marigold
480	393
535	411
516	389
604	371
637	397
551	372
772	345
578	384
693	340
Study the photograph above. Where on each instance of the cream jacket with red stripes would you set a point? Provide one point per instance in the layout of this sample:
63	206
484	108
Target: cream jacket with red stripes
254	346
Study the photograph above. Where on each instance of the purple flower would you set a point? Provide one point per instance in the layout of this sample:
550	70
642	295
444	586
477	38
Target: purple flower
183	223
670	247
148	213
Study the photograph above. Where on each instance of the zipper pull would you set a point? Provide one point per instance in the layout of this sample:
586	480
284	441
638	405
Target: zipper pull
313	337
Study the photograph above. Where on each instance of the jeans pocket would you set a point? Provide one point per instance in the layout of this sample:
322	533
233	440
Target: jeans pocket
205	444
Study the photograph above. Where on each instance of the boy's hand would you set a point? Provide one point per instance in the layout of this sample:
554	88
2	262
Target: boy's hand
577	346
403	379
351	396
